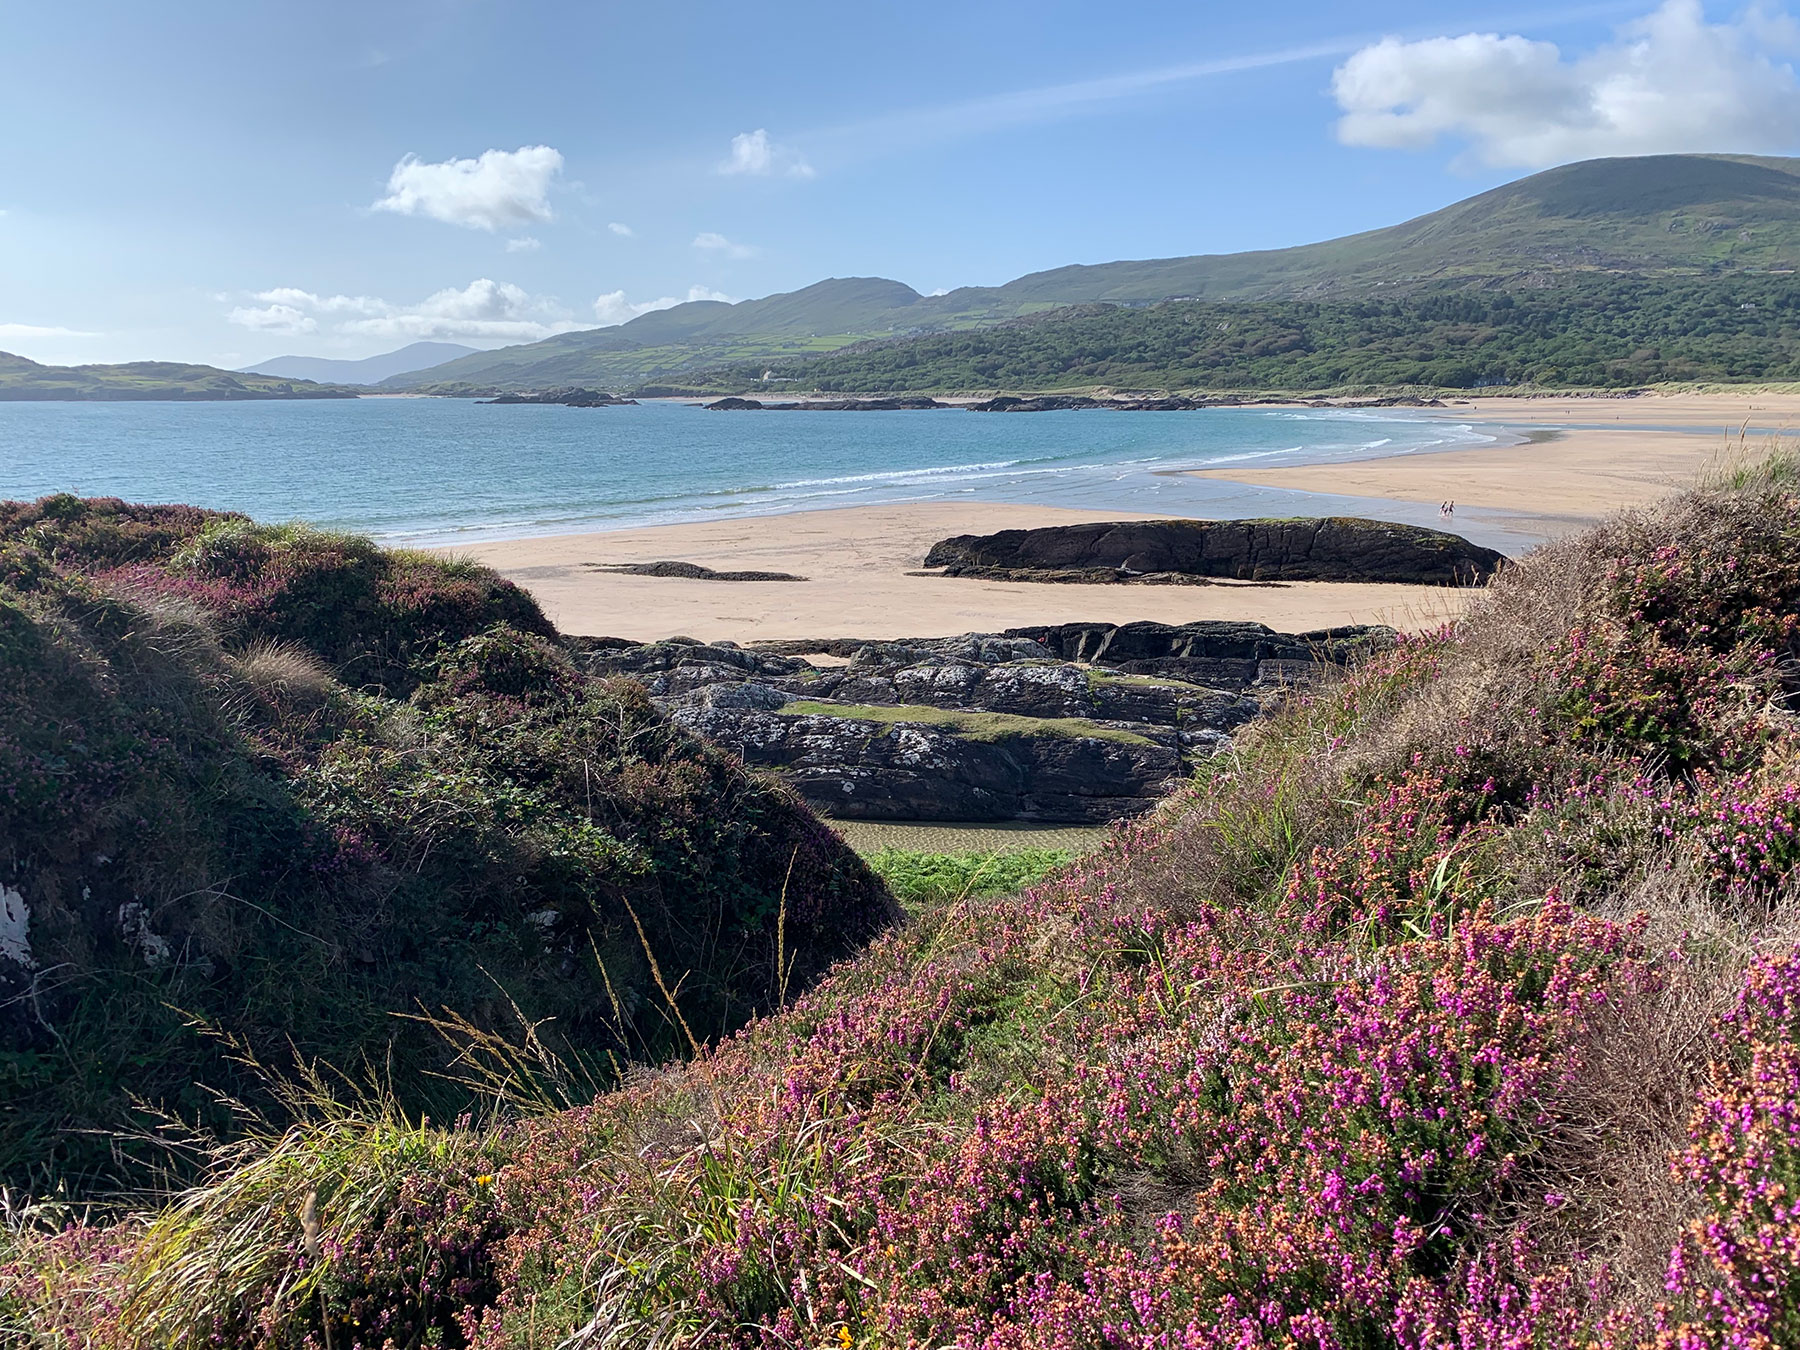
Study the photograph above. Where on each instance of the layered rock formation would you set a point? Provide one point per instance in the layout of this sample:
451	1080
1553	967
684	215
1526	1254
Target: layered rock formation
1080	723
1333	548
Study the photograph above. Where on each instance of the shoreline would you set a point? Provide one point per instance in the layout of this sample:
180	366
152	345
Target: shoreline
1573	461
1580	458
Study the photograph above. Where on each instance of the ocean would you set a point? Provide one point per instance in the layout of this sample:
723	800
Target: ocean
442	471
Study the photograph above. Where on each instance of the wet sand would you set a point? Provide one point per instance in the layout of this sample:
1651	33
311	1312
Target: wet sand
1588	456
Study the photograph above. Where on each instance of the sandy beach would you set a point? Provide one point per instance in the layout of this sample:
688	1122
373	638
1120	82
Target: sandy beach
856	562
1588	456
1597	455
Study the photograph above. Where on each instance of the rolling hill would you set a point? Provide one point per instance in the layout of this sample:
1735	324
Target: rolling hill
23	380
1656	216
1593	330
414	357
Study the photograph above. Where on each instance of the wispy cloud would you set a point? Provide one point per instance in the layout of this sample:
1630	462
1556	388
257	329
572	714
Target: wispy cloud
623	231
946	121
32	330
755	155
708	242
498	190
523	244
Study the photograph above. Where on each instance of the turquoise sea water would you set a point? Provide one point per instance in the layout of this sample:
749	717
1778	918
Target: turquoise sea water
445	471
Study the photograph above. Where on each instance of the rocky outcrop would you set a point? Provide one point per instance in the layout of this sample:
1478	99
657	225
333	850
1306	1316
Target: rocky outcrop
687	571
1082	402
568	398
1077	723
828	405
1335	548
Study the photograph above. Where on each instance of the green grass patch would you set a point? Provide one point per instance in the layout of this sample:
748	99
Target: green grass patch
924	880
975	726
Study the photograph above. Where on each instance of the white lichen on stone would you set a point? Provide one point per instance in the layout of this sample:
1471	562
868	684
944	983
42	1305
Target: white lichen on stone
15	928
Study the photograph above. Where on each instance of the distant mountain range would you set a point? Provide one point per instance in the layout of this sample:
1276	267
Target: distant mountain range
1655	216
23	380
370	370
1630	250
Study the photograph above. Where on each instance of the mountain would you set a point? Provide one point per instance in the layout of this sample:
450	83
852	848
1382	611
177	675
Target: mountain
370	370
24	380
1656	216
1590	330
1655	213
664	343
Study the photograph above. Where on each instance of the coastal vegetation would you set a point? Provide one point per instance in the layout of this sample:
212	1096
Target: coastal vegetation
1456	1005
271	795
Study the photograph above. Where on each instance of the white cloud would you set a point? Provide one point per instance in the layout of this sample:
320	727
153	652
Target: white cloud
623	231
484	309
709	242
501	190
285	296
613	308
32	330
1671	82
754	154
274	319
524	244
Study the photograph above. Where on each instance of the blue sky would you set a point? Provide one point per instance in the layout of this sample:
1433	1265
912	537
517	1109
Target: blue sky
228	182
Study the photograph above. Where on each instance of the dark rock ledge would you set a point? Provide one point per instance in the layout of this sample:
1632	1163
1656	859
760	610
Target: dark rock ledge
1076	723
1333	548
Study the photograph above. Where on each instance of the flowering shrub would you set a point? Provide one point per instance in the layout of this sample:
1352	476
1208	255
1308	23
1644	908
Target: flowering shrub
1397	1029
1736	1271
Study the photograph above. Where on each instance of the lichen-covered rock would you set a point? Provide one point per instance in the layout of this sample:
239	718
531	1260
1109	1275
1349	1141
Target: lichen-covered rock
864	768
1073	723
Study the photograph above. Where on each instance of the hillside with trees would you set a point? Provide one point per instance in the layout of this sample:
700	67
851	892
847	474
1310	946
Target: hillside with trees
1594	331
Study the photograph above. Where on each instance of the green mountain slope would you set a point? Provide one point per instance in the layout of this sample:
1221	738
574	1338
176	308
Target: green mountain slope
1658	213
1593	330
23	380
1657	216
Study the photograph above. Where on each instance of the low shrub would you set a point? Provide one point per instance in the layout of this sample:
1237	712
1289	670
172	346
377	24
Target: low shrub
1442	1013
213	832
